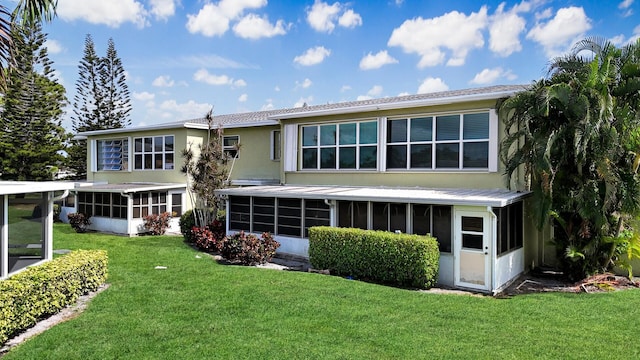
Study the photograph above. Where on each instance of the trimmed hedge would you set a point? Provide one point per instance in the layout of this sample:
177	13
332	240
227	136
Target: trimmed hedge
44	290
379	256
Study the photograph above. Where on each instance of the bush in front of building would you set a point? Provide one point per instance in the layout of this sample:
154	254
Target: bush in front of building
187	222
79	222
43	290
157	224
208	238
379	256
248	249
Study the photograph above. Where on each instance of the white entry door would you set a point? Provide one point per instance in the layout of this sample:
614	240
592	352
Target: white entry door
472	250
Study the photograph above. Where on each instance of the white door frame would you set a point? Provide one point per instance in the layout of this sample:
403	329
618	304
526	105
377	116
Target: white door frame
465	258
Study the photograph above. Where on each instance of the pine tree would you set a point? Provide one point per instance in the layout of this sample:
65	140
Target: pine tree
31	136
101	101
117	105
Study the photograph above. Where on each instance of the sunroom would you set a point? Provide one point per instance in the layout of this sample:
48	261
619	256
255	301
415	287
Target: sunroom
120	208
26	223
479	231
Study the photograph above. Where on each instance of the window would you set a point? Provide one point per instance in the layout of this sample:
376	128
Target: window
176	205
112	155
509	227
154	153
390	217
353	214
340	146
102	204
230	145
459	141
153	202
275	145
434	220
281	216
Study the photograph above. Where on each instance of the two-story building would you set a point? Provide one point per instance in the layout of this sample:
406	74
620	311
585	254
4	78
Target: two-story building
424	163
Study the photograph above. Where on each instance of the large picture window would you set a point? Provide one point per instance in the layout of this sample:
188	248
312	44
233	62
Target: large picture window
459	141
351	145
154	153
112	155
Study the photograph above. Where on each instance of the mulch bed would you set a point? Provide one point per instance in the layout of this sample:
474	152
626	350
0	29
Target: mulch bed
607	282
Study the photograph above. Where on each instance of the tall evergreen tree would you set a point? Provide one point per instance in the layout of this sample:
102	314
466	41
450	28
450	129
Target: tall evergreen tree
101	101
117	105
31	136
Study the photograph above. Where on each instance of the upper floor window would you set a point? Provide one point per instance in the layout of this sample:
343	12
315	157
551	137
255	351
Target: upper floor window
459	141
230	145
275	145
154	153
112	154
351	145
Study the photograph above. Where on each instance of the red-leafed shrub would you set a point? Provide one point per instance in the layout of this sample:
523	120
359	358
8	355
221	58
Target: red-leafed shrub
248	249
79	222
208	238
157	224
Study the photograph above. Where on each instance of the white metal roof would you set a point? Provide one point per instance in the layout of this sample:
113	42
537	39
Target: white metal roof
129	187
475	197
24	187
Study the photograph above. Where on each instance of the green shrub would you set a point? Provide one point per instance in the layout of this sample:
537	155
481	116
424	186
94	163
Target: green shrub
187	222
248	249
44	290
378	256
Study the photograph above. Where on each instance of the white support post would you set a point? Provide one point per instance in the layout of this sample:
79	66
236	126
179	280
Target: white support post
4	236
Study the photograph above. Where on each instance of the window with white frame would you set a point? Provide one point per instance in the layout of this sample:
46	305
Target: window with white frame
352	145
156	202
457	141
230	145
112	154
102	204
275	145
154	153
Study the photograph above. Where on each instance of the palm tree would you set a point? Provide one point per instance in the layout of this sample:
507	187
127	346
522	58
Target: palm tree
25	11
576	136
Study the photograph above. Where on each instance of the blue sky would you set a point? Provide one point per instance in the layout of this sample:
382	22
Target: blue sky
184	57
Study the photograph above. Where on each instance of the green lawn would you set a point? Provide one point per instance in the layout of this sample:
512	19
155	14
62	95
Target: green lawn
197	309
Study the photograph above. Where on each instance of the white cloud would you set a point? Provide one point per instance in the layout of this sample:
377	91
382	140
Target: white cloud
557	34
544	14
213	19
268	105
190	110
255	27
345	88
404	93
303	101
431	84
505	30
143	96
53	46
375	91
304	84
243	98
204	76
163	81
489	76
163	9
376	61
625	6
322	17
277	88
429	38
312	56
350	19
112	13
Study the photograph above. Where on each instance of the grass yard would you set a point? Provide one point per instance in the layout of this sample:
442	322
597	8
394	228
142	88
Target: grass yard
197	309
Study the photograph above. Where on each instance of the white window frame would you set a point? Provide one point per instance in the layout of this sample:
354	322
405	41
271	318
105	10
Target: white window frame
126	163
338	146
276	145
153	153
229	149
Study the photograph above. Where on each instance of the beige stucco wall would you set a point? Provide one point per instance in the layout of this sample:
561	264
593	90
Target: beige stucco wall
182	138
254	160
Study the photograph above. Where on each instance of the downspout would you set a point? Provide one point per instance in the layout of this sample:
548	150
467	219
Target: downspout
332	212
494	232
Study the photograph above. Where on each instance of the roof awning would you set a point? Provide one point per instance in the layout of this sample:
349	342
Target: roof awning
129	187
23	187
474	197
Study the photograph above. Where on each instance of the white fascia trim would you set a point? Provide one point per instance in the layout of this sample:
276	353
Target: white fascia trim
85	134
234	126
395	105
